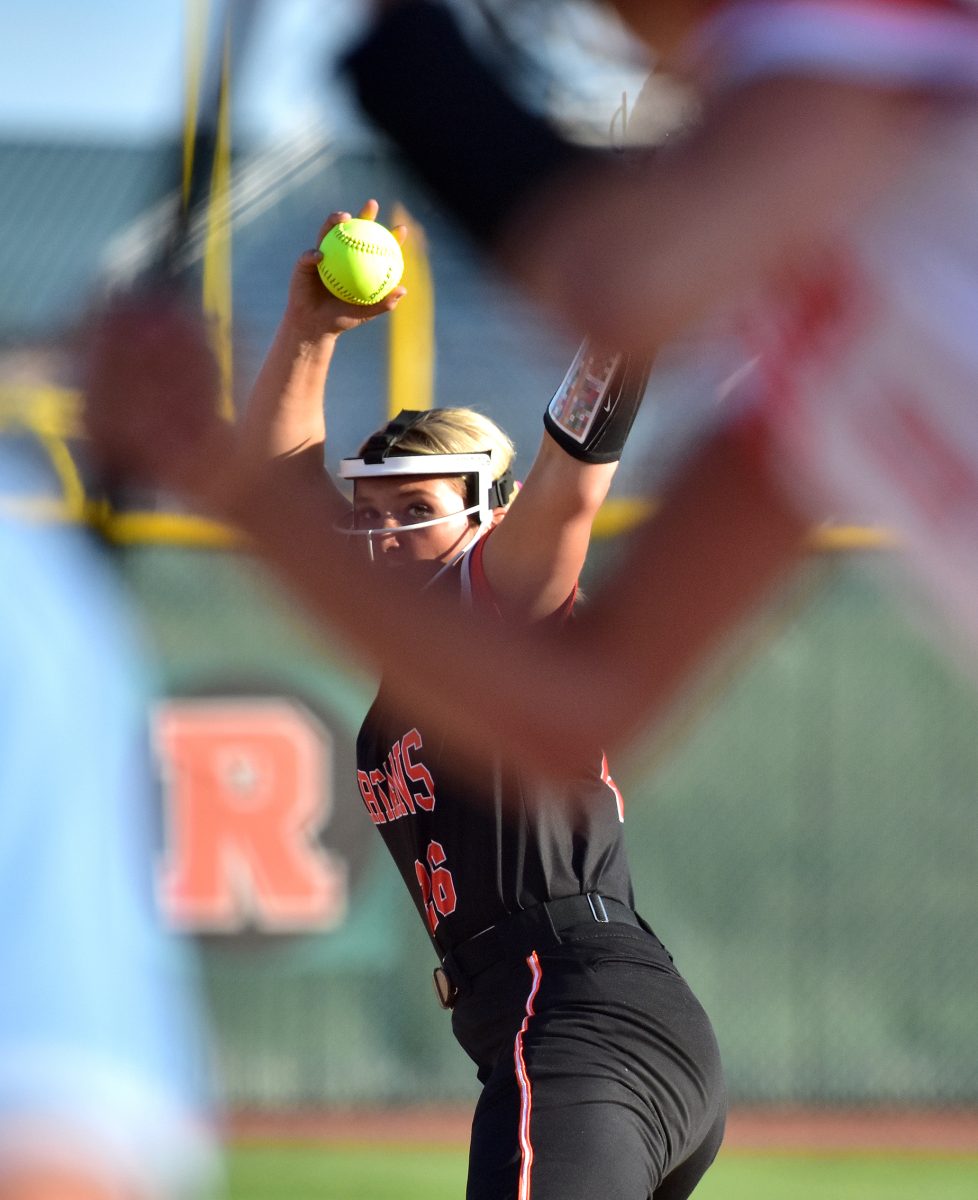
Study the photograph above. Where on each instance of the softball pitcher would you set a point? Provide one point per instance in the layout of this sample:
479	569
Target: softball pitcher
600	1071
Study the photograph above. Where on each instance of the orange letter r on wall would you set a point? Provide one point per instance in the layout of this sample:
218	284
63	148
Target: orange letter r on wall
246	791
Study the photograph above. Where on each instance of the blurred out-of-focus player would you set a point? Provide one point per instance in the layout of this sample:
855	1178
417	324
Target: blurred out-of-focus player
100	1047
821	214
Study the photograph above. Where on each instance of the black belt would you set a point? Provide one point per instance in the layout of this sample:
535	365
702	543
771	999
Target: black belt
521	933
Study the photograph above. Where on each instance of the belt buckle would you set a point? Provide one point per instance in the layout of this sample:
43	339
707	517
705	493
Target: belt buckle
445	990
598	910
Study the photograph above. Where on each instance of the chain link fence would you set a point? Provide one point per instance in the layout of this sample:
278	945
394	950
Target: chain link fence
807	850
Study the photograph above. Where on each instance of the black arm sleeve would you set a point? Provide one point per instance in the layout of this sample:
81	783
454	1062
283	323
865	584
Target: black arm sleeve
468	139
592	412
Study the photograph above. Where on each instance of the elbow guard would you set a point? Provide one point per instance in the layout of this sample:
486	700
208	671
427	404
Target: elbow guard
592	411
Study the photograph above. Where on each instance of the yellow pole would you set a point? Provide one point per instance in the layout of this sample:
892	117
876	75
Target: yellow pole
411	370
217	245
196	13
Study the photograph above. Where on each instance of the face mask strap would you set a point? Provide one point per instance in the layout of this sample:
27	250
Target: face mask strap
501	490
370	534
382	530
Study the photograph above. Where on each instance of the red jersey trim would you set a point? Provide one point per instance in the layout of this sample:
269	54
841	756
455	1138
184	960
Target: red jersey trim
483	595
526	1088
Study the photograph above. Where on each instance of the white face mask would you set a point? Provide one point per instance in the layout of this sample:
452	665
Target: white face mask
402	467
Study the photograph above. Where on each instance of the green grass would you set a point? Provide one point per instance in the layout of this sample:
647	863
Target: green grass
367	1172
399	1172
840	1177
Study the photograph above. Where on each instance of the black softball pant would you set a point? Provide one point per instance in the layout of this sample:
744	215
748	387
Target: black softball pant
601	1073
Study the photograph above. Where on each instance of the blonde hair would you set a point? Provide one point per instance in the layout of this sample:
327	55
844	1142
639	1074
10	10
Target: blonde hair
457	431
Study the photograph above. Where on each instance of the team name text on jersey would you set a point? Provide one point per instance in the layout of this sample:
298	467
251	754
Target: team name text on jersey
403	785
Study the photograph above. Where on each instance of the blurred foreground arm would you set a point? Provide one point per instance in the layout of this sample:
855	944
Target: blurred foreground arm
721	542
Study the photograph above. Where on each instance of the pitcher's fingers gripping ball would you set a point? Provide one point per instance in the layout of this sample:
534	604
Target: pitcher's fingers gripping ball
362	261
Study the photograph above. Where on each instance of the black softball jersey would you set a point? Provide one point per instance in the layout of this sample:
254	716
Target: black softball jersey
476	844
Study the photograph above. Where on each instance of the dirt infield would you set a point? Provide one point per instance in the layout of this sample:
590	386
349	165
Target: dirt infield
899	1130
839	1129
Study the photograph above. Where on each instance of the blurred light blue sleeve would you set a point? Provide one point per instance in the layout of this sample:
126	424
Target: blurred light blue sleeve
100	1038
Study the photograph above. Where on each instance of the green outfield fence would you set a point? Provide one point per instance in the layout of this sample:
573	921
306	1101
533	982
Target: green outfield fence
807	849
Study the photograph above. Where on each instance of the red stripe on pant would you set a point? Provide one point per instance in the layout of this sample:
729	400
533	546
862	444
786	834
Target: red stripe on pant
526	1090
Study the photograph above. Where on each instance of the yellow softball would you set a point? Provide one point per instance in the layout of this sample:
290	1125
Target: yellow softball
362	261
